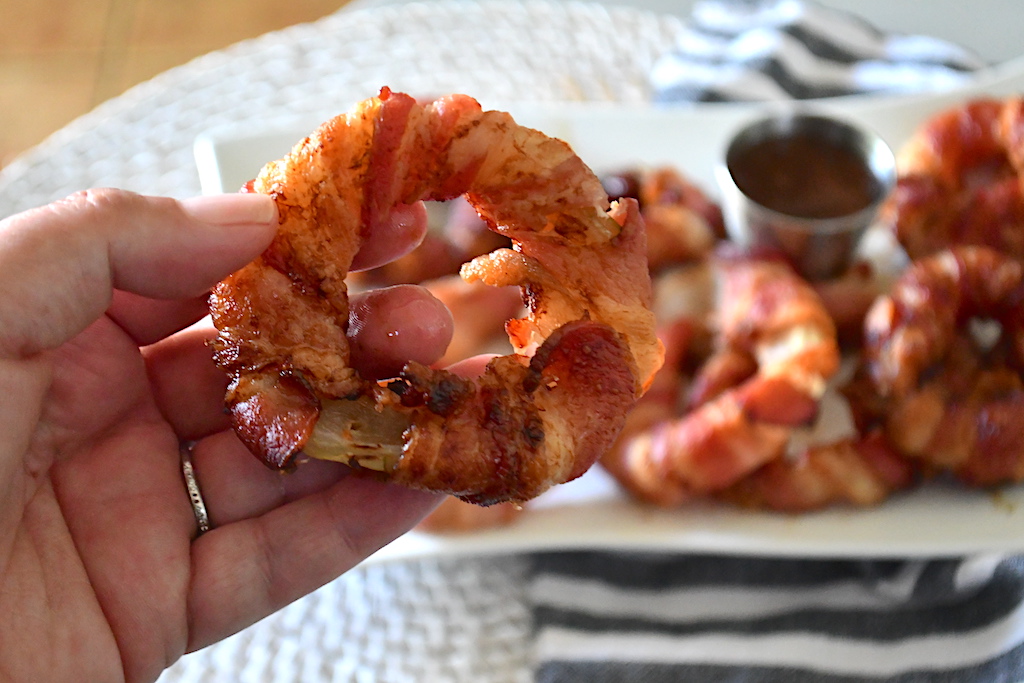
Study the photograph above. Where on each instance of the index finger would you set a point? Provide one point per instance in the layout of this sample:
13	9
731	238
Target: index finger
398	233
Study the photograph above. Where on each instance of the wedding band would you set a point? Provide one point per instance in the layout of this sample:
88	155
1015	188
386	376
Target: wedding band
194	494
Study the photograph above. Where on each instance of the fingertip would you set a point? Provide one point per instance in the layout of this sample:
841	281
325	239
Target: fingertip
391	326
232	228
240	209
397	234
473	366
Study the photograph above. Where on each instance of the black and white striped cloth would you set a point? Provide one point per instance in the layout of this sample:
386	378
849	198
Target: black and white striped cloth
616	618
603	617
769	50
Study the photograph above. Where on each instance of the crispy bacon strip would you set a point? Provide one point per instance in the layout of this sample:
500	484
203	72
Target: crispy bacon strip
540	416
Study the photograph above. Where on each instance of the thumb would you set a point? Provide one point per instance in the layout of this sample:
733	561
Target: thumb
60	263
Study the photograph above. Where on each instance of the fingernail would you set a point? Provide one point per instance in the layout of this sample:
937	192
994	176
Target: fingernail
232	209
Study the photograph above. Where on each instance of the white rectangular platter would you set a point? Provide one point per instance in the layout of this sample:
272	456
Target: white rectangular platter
591	513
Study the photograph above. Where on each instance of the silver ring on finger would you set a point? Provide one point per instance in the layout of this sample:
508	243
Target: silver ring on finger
195	495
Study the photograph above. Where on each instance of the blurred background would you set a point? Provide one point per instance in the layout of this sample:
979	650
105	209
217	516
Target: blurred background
61	58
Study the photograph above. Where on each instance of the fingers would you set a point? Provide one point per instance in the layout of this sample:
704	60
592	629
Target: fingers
279	536
394	325
473	366
388	327
149	320
247	570
60	263
399	233
239	486
187	385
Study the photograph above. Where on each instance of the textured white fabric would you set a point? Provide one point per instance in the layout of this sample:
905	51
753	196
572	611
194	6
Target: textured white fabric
771	50
429	620
495	50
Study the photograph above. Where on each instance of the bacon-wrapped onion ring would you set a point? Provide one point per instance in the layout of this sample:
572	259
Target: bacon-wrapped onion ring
535	418
961	180
952	404
769	314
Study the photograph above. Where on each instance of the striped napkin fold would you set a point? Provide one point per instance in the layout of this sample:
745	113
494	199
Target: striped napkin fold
604	617
774	50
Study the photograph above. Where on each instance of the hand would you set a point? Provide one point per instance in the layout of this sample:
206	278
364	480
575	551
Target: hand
102	376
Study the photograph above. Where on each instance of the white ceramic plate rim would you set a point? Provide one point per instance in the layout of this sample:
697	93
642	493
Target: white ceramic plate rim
936	520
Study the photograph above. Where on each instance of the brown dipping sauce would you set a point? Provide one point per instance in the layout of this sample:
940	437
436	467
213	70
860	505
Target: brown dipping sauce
804	175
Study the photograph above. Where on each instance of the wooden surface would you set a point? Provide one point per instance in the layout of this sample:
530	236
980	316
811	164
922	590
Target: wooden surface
61	58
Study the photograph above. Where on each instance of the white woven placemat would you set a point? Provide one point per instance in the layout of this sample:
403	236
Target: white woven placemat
495	50
430	620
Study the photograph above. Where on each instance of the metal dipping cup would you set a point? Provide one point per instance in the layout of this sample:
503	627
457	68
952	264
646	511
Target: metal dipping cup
819	248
